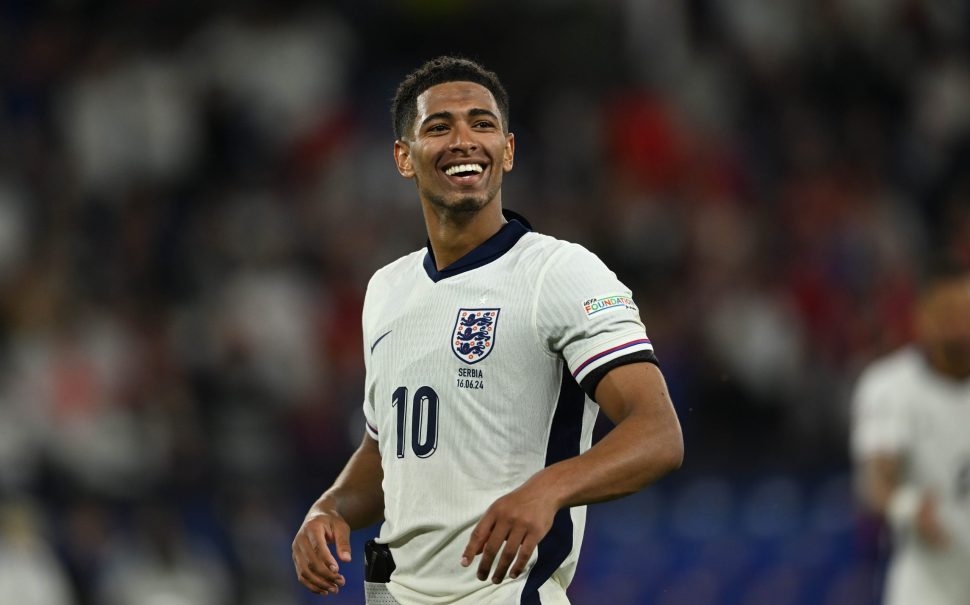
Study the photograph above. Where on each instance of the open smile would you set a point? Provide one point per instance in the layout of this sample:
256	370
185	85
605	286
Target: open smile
465	174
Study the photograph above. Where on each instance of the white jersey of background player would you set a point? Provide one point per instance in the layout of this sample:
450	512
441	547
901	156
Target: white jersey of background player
476	454
911	440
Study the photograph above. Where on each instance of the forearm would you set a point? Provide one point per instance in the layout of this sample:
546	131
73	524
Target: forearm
879	481
645	444
355	500
901	504
633	455
356	495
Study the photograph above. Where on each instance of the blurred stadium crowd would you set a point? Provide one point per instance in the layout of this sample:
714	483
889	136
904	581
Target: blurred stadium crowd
194	194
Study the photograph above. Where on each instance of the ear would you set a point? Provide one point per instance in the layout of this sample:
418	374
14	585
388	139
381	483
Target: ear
402	158
509	152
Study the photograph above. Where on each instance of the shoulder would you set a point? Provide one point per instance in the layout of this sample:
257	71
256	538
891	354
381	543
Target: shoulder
894	369
571	272
886	398
547	245
559	257
889	378
386	281
389	279
395	271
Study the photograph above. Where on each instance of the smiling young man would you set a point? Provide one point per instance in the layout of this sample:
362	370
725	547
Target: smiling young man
488	354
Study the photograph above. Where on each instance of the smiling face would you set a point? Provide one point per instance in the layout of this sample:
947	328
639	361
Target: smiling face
457	150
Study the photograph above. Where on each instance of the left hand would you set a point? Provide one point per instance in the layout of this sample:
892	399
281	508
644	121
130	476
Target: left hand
928	523
519	519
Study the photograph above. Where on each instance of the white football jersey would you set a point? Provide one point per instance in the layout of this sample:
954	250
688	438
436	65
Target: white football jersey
903	407
475	381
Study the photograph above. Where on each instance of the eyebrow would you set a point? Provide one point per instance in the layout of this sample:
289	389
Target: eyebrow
447	115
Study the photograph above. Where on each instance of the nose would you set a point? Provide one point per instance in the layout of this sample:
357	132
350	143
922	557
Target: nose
462	139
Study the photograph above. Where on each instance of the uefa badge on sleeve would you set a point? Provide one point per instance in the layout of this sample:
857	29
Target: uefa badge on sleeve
473	337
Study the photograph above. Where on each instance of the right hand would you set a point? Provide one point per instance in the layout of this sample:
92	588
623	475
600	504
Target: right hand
316	567
928	524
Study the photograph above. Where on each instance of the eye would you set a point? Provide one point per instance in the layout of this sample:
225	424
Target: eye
484	124
437	128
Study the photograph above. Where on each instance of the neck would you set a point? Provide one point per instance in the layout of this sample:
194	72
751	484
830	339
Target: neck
455	234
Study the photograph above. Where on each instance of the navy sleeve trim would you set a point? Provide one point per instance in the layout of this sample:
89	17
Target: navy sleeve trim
592	380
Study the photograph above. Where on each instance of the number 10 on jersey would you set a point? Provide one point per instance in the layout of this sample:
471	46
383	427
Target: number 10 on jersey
424	421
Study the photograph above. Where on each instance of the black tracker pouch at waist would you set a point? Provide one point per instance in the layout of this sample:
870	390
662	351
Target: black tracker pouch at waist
378	562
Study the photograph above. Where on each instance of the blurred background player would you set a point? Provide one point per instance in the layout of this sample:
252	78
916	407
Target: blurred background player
911	442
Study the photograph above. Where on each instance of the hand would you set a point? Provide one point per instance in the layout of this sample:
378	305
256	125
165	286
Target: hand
520	520
928	524
316	567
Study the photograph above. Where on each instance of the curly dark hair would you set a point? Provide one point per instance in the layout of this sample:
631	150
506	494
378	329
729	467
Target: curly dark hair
443	69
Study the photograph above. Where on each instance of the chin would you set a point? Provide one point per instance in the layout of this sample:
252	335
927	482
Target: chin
461	205
469	204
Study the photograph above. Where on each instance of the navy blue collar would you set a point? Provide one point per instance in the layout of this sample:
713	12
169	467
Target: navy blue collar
489	250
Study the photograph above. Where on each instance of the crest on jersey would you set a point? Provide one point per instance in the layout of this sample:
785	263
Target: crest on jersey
473	337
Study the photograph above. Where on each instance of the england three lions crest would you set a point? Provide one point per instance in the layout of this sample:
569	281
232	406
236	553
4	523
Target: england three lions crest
473	337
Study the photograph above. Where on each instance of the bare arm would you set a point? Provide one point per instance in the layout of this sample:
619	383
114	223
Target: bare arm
878	478
645	444
883	493
355	500
357	494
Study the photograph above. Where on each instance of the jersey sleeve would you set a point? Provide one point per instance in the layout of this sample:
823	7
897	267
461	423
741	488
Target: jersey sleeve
880	423
370	417
586	315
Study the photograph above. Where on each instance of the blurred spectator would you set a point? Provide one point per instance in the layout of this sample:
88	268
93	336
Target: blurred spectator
159	564
258	530
129	115
75	381
286	69
30	573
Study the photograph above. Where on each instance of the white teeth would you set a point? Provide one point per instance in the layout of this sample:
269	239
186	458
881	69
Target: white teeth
464	168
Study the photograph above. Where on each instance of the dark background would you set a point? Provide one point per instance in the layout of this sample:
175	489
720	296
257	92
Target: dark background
194	194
